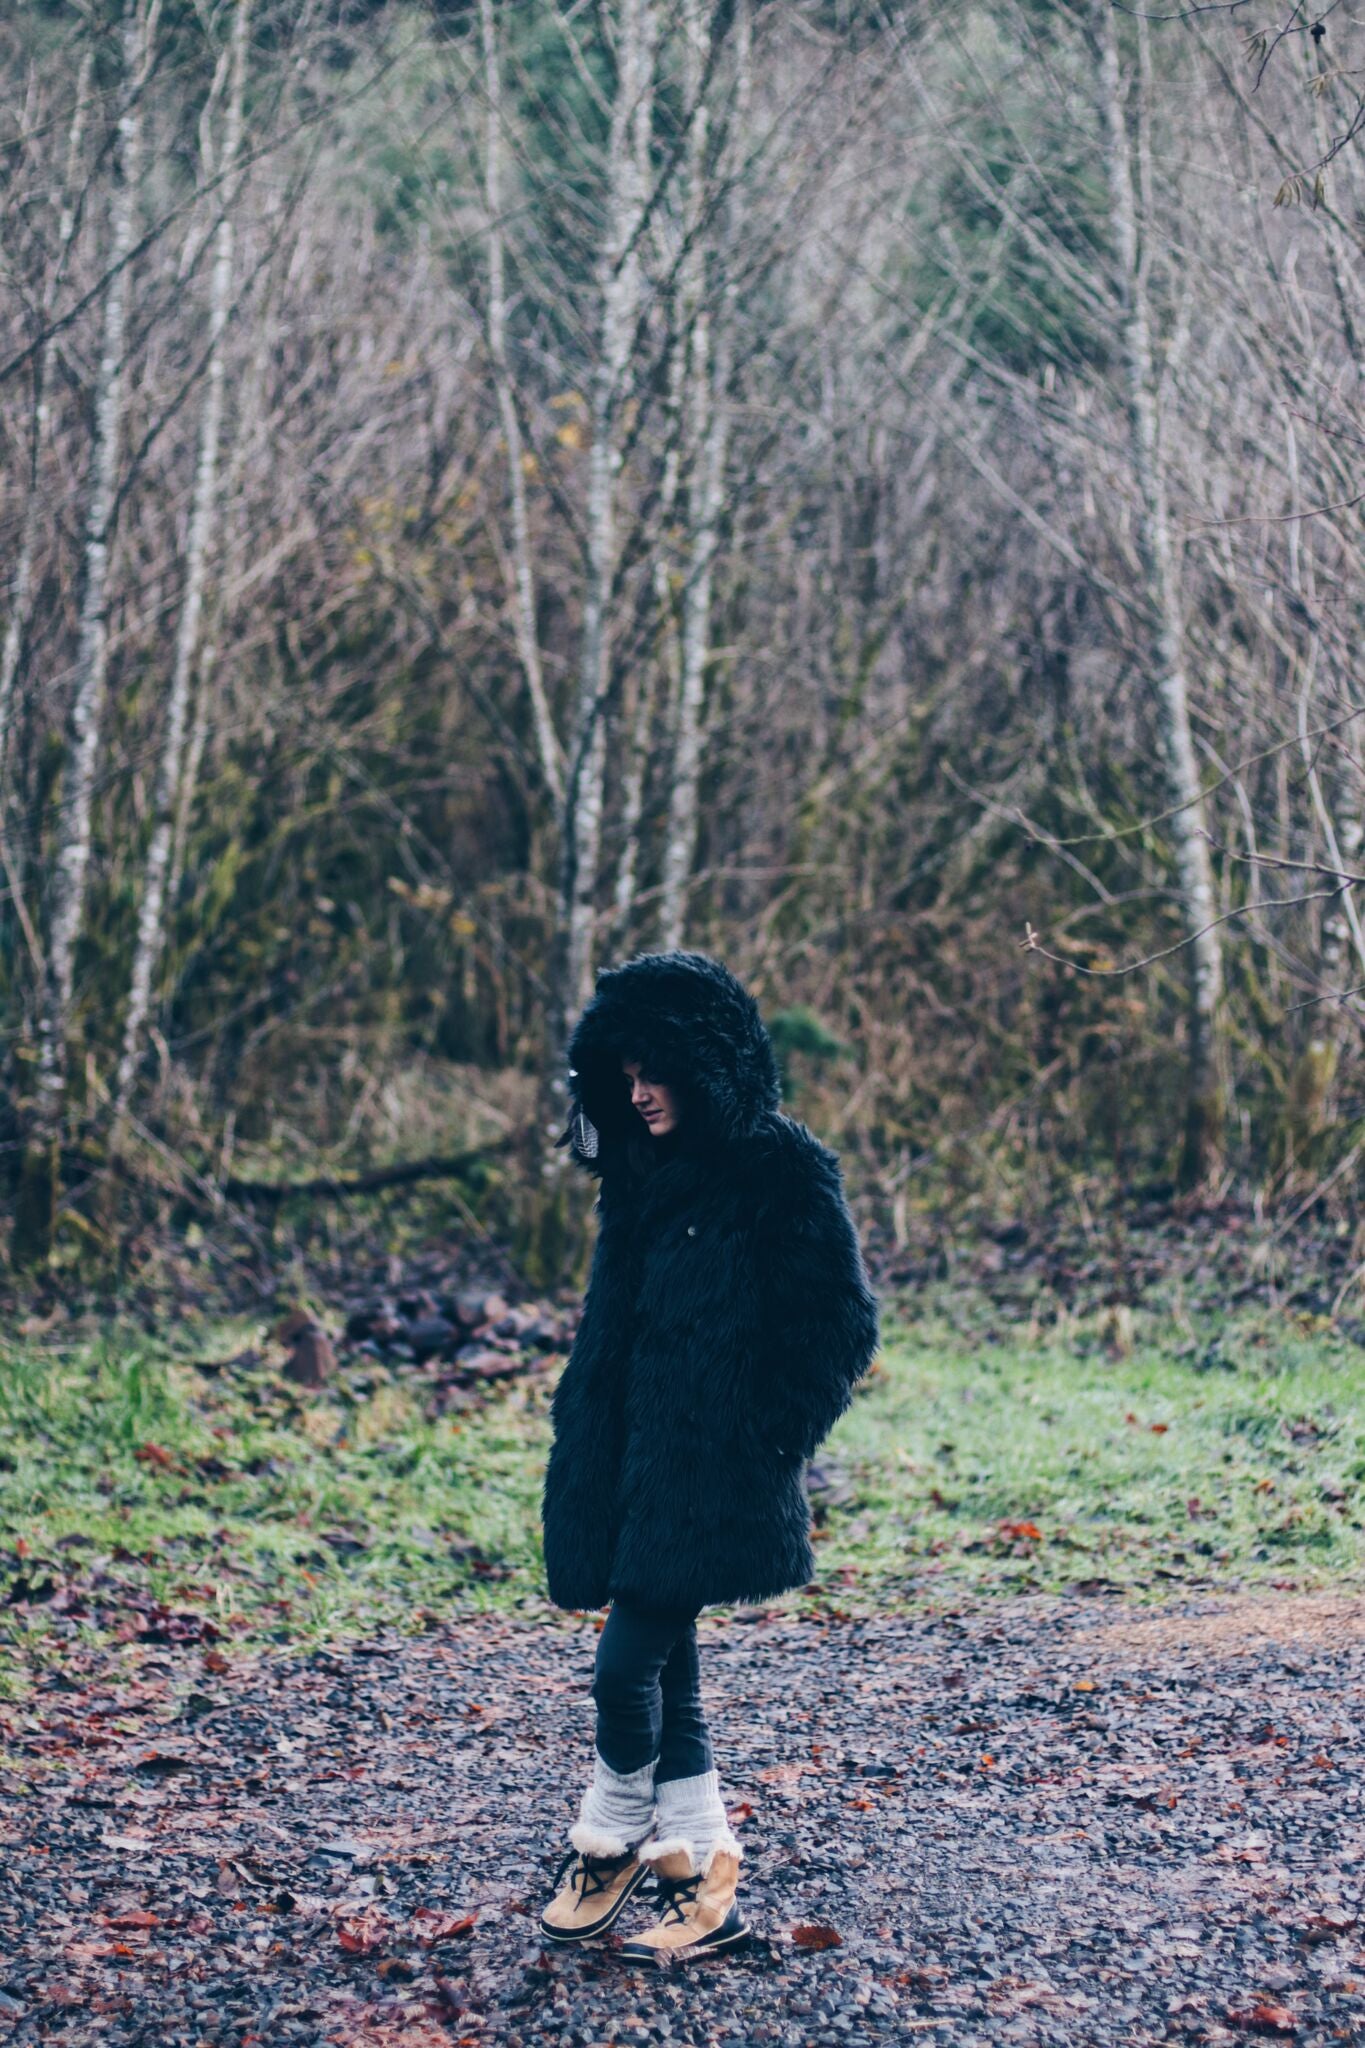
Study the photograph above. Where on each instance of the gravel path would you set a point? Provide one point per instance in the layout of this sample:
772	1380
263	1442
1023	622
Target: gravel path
1034	1823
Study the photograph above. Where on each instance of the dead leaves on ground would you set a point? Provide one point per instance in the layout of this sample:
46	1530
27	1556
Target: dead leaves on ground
372	1931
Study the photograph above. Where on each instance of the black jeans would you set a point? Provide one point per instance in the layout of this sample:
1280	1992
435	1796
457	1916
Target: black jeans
648	1694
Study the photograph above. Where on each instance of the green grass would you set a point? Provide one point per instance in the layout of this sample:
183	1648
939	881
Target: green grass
240	1483
978	1460
986	1461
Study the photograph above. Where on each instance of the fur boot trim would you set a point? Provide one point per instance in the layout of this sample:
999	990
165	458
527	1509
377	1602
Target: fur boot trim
659	1846
591	1841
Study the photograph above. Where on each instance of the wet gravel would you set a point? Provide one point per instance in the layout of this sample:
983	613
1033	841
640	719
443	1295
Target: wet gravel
1035	1823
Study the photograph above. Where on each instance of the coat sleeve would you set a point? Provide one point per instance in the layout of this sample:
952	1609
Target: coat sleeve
818	1311
578	1500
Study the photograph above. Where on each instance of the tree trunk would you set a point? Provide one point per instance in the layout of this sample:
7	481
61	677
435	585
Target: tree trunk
150	930
71	855
1203	1114
707	414
21	577
523	592
619	291
1341	959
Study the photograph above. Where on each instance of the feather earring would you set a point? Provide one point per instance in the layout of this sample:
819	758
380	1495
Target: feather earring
584	1135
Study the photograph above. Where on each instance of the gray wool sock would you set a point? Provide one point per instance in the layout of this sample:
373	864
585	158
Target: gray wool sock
691	1816
616	1811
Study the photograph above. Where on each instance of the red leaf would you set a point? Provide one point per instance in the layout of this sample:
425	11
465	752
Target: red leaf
136	1916
431	1926
364	1934
1265	2018
1029	1531
817	1936
152	1454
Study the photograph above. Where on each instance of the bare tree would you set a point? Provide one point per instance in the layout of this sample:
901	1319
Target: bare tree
21	576
72	851
1203	1128
203	520
618	305
523	591
707	424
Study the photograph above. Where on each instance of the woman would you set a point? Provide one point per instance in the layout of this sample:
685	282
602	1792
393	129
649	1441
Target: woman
727	1319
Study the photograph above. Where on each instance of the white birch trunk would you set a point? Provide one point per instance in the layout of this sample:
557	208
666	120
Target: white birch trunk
694	327
71	859
150	931
1193	865
1342	956
523	592
708	438
21	579
641	688
619	288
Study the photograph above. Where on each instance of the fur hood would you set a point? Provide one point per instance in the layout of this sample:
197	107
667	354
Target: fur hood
688	1022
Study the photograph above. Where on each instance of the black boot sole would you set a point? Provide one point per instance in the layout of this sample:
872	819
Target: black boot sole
733	1932
568	1936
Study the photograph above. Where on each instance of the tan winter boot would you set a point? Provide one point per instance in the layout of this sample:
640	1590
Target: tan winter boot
591	1895
699	1915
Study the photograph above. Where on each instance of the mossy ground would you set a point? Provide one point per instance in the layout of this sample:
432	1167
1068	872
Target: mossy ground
982	1458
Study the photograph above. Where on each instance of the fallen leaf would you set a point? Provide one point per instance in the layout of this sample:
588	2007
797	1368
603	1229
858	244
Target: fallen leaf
1265	2018
817	1935
430	1925
1329	1925
153	1454
781	1774
364	1933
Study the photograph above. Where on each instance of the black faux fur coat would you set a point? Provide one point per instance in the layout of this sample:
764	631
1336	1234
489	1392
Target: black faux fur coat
728	1314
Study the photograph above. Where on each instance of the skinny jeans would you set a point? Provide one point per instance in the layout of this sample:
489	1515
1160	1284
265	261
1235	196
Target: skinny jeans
647	1691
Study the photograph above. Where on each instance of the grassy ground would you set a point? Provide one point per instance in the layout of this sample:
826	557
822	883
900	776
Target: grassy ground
142	1498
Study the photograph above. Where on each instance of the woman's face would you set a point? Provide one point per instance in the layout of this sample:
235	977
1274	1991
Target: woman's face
654	1100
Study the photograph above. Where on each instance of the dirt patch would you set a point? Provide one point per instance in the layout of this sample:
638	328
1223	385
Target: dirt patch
1242	1625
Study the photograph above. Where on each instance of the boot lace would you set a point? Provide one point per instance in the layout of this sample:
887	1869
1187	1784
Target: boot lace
592	1873
677	1892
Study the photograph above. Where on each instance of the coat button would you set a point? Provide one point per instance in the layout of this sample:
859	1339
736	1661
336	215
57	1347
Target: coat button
691	1229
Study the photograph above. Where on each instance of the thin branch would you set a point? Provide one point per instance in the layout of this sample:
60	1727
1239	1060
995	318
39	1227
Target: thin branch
1030	943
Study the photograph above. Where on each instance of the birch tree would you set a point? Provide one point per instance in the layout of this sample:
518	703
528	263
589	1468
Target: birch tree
707	422
523	591
72	851
618	301
21	575
1166	643
203	517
